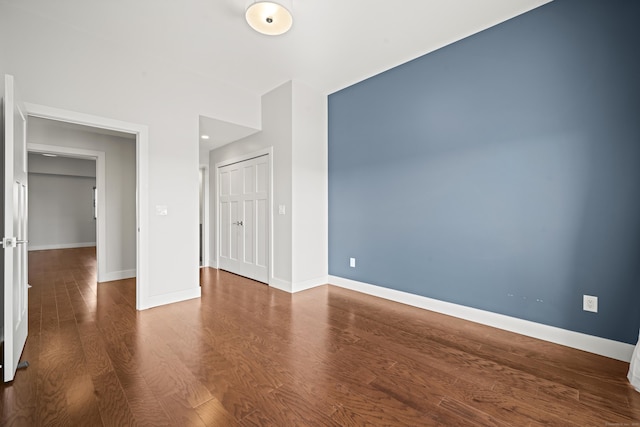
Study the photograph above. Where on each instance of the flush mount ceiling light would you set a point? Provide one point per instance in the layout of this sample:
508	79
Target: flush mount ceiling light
269	18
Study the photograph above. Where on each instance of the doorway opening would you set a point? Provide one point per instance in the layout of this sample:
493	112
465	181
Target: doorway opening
140	133
62	203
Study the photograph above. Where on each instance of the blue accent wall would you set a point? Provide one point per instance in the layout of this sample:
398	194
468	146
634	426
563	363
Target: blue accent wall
501	172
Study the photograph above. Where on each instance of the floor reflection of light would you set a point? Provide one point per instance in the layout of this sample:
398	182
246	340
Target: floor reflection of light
80	395
308	339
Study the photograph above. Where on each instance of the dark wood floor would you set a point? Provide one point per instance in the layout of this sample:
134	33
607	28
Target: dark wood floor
249	355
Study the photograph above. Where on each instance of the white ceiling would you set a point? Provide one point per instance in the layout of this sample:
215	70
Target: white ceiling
332	44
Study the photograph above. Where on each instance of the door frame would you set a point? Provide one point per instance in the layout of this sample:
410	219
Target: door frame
259	153
142	181
100	158
206	262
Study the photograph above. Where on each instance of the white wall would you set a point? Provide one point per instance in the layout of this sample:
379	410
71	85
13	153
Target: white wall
120	191
60	67
294	127
309	188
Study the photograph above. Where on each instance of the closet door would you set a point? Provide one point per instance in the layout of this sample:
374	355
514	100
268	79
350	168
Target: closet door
243	221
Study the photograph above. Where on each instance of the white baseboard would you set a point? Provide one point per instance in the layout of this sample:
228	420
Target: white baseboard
287	286
602	346
60	246
158	300
308	284
117	275
213	263
283	285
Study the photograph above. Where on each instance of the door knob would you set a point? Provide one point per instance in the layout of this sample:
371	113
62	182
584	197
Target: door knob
238	223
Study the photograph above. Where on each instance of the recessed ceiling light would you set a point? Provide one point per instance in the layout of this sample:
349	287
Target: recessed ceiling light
204	136
49	155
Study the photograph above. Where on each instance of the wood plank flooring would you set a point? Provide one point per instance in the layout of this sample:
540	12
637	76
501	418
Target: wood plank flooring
249	355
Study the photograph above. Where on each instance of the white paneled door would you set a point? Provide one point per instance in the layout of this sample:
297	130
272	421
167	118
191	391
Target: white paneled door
243	198
14	241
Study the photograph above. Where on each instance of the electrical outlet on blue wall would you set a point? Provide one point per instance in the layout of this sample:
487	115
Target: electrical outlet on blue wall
590	303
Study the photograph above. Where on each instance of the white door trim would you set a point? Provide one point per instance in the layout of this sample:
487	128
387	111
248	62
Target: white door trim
259	153
100	158
205	216
142	181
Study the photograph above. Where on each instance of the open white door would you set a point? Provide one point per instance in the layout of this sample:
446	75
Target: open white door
14	240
